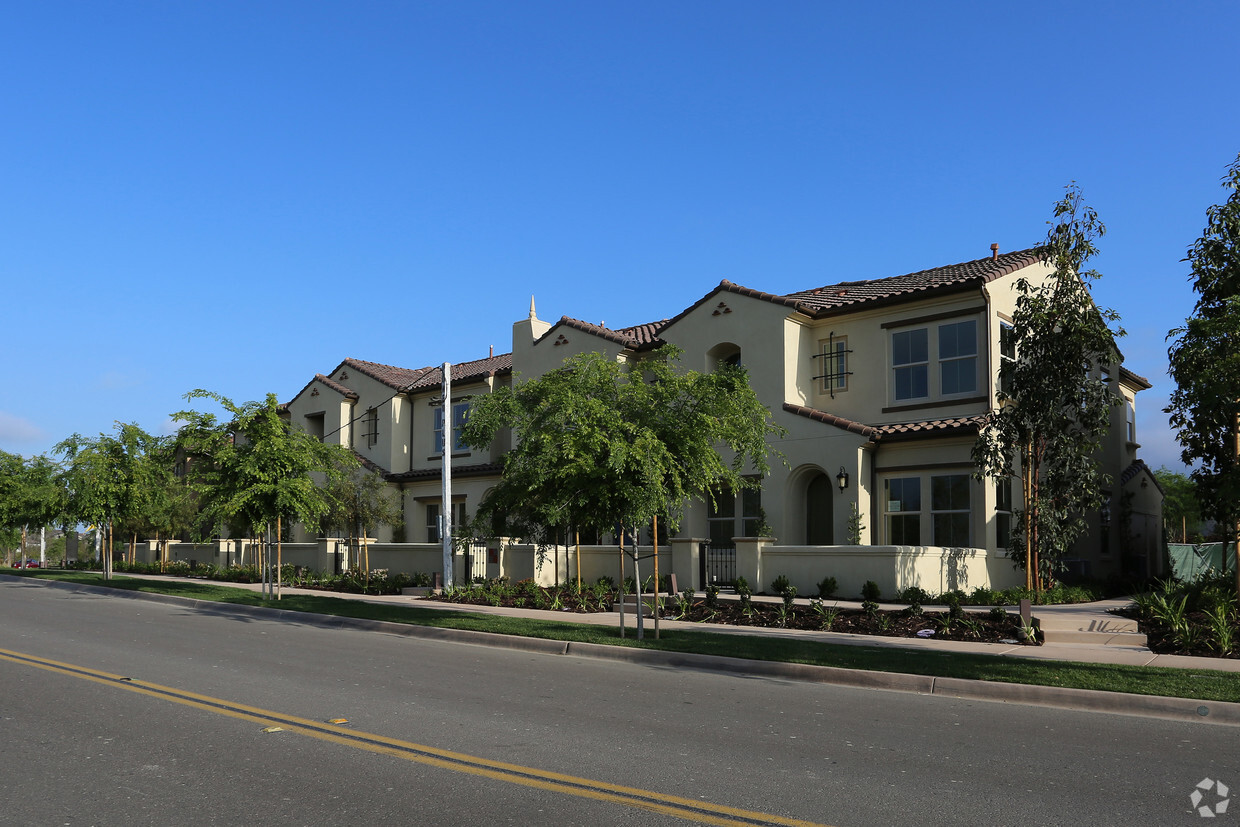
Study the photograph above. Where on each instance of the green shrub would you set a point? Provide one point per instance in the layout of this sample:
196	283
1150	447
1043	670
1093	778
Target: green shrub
869	607
914	594
871	592
827	587
712	596
744	593
789	595
779	584
998	614
983	596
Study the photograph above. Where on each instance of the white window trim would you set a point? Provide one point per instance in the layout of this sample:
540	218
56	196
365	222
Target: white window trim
934	362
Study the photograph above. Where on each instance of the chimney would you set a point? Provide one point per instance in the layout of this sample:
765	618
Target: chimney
994	252
492	353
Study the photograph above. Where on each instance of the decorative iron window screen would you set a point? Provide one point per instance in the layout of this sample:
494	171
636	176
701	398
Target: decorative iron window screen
835	362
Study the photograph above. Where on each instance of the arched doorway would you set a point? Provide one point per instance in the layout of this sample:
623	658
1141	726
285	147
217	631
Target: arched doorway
819	508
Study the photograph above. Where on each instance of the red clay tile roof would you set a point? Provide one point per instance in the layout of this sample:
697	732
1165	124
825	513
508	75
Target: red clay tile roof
483	469
823	300
841	297
393	377
931	427
831	419
637	337
893	431
463	371
336	386
370	466
1133	379
646	335
1135	470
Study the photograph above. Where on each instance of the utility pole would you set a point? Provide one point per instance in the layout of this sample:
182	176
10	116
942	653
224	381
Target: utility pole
445	512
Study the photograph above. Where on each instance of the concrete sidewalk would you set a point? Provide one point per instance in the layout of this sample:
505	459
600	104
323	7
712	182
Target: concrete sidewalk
1086	618
1079	632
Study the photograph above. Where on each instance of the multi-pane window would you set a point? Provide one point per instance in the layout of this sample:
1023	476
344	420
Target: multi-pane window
958	357
730	512
370	427
949	509
751	511
955	349
1003	513
460	413
721	519
1007	355
1131	416
903	511
835	365
434	525
909	358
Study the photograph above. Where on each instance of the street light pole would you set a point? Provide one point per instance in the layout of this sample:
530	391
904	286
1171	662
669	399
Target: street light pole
446	510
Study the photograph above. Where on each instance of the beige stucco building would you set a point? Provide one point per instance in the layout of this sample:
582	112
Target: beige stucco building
880	384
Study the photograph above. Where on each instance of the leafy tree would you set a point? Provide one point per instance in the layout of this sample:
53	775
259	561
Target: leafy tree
1054	408
254	468
1205	363
361	502
600	443
31	496
1181	510
112	481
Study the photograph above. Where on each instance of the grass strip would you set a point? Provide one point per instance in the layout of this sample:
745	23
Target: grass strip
1140	680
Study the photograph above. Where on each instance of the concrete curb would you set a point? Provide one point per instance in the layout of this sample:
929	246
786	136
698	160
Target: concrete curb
1088	700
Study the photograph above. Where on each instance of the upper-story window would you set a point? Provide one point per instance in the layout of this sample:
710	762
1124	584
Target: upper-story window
1007	355
958	357
953	370
460	413
1130	410
834	368
370	427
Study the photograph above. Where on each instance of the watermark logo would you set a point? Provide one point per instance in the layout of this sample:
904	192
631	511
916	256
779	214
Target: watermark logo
1210	798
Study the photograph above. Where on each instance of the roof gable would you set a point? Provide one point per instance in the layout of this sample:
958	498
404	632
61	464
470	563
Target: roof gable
846	295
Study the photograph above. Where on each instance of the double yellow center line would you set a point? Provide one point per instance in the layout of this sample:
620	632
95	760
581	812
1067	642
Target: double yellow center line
687	808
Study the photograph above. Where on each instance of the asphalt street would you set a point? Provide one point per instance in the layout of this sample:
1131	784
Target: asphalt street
116	711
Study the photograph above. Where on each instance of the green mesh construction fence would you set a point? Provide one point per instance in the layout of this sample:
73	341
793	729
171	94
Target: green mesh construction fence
1188	561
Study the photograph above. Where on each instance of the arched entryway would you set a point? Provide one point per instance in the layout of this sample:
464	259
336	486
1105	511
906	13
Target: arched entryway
819	511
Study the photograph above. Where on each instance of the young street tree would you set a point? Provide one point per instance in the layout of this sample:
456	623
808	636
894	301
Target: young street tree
31	496
254	468
361	502
1205	364
1054	407
604	444
111	480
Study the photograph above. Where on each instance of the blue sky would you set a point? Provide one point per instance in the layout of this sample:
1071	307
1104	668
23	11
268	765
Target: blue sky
237	195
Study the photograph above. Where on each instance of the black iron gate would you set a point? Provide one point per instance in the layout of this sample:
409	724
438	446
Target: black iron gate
717	565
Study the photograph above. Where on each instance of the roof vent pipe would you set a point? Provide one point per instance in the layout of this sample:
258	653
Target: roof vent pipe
994	252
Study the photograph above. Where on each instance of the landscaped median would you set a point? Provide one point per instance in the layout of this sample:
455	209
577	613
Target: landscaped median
1198	684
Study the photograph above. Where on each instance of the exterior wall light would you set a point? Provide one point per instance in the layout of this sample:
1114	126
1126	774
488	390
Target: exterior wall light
842	478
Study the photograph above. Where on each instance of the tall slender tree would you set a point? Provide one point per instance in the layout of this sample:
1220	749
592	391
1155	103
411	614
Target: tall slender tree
1054	407
1205	364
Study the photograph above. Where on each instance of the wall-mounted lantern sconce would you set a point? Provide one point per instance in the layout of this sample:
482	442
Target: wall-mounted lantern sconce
842	478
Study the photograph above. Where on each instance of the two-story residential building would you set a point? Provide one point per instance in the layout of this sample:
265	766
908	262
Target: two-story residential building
881	385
